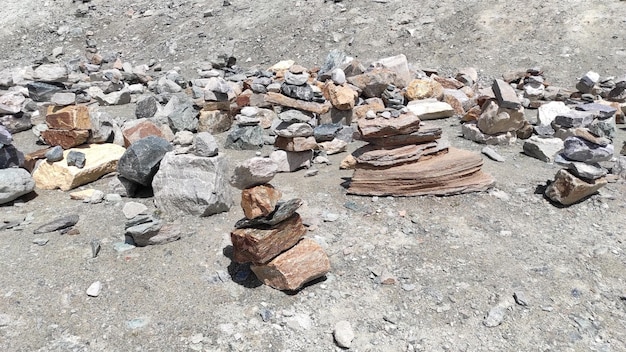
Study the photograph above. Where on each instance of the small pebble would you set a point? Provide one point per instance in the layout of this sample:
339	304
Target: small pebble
94	289
311	172
343	334
40	241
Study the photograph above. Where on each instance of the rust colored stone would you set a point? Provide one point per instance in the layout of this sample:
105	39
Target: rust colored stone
342	97
296	144
258	245
472	114
304	262
448	83
374	104
65	138
72	117
279	99
30	159
141	130
381	127
259	201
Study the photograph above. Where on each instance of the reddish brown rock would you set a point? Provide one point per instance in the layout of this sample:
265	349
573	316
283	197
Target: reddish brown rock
373	83
371	156
30	159
262	245
568	189
289	271
296	144
425	134
72	117
279	99
378	127
259	201
374	104
65	138
141	130
472	114
448	83
342	97
455	103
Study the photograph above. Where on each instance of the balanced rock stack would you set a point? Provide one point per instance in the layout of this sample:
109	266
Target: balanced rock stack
406	158
271	236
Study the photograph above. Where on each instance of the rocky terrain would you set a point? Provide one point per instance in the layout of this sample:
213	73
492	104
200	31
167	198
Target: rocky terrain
502	269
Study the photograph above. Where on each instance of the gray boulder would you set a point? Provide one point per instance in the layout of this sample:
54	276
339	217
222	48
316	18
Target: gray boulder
180	114
14	183
141	160
245	138
253	172
192	185
10	157
579	149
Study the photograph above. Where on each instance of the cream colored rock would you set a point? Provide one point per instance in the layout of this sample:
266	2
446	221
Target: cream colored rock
100	159
430	109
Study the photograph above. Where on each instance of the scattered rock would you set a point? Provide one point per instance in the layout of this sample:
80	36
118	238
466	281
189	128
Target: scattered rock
544	149
76	158
343	334
94	289
291	161
253	172
141	160
568	189
14	183
259	200
58	224
132	209
492	154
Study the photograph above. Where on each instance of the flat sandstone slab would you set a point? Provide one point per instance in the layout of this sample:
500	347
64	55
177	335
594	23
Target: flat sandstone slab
100	159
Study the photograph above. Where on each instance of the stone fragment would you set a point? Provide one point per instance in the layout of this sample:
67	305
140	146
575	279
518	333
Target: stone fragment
544	149
63	98
11	157
400	66
304	262
104	129
380	127
245	138
147	107
603	128
333	147
473	133
568	189
146	230
282	212
419	89
573	118
585	134
183	138
326	132
297	79
601	111
294	116
204	144
587	82
5	136
83	195
548	112
54	154
341	97
582	170
58	224
296	144
430	109
298	129
619	169
253	172
100	159
425	134
14	183
49	73
304	92
141	160
372	104
259	200
187	184
260	245
121	97
579	149
492	154
94	289
291	161
140	129
11	103
495	119
374	157
76	158
40	91
373	83
180	114
65	138
132	209
279	99
505	94
448	83
214	121
343	334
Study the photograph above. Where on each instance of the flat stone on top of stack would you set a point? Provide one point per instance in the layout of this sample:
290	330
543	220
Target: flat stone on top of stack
271	234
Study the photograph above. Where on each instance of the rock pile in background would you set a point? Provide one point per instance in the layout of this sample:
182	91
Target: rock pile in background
271	235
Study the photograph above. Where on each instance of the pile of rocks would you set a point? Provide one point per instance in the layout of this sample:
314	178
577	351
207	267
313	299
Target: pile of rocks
271	234
407	158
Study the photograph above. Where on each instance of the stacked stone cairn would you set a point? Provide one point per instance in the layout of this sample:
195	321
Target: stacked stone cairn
271	235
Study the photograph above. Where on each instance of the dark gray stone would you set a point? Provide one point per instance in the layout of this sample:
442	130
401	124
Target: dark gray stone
582	170
544	130
245	138
282	212
603	128
574	118
142	232
507	98
187	184
14	183
181	116
54	154
600	111
76	158
326	132
10	157
147	107
304	92
58	224
5	136
579	149
141	160
40	91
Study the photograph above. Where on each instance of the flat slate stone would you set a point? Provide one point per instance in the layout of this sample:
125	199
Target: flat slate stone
282	212
380	127
58	224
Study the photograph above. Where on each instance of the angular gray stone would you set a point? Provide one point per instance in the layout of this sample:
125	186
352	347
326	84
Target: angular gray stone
603	128
291	161
76	158
183	138
492	154
141	160
50	73
10	157
601	111
574	118
544	149
204	144
104	129
132	209
14	183
282	212
245	138
40	91
296	79
587	82
180	114
580	169
303	92
293	116
326	132
253	172
472	132
579	149
121	97
145	230
5	136
568	189
507	98
16	123
58	224
63	98
298	129
187	184
495	119
147	107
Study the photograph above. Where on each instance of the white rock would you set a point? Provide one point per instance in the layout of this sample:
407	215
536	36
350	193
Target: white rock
132	209
94	289
548	112
343	334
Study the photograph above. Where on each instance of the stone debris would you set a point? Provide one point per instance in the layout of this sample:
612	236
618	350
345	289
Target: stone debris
140	162
94	289
568	189
343	334
61	223
544	149
14	183
144	230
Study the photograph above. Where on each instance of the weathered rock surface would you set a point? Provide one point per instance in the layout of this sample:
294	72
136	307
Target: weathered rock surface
100	159
379	127
544	149
186	184
141	160
291	161
568	189
14	183
259	200
579	149
430	109
253	172
282	212
296	144
245	138
495	119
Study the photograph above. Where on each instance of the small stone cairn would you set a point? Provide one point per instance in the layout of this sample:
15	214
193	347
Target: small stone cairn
271	235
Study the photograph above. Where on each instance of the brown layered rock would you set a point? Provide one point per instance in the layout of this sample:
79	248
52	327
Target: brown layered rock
568	189
289	271
448	83
259	245
457	171
341	97
141	130
73	117
259	200
65	138
425	134
296	144
372	156
279	99
381	127
373	83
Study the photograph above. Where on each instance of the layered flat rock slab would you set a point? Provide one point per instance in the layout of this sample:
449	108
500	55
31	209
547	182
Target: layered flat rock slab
289	271
279	99
260	245
100	159
186	184
425	134
455	172
372	156
430	109
380	127
65	138
568	189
